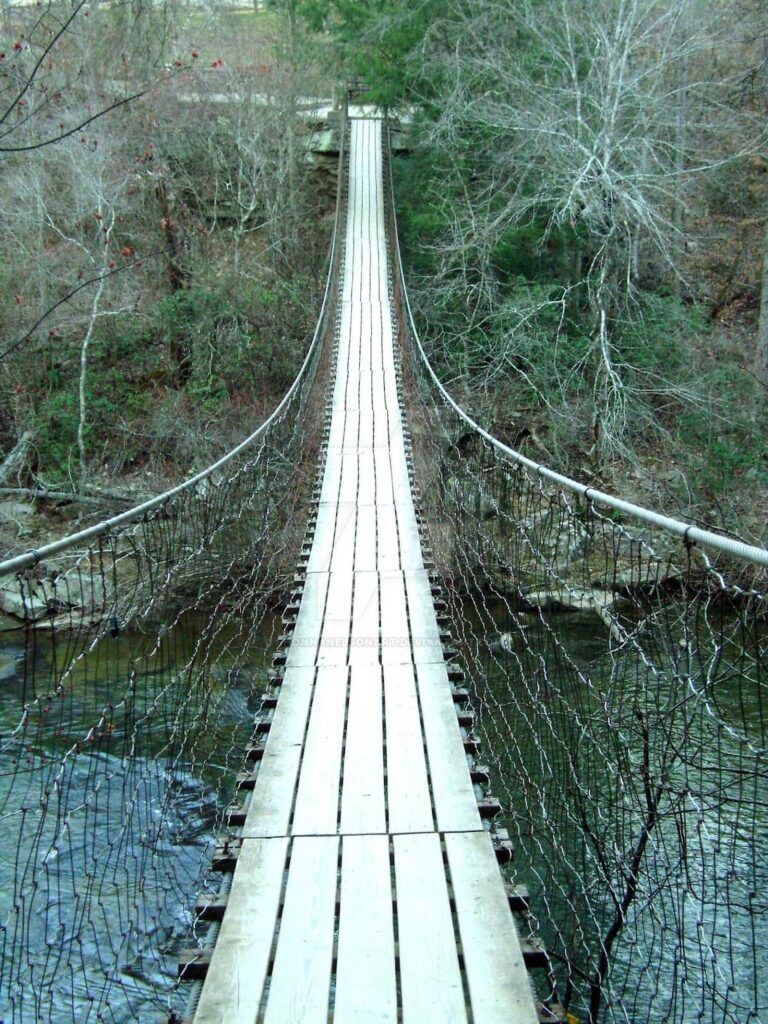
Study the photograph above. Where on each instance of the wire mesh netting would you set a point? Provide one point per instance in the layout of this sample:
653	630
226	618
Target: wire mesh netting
130	687
619	680
618	673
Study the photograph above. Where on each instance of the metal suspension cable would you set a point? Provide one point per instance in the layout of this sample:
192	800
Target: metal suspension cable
690	534
35	555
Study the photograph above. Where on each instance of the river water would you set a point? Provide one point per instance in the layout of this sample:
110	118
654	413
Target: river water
103	852
573	729
110	796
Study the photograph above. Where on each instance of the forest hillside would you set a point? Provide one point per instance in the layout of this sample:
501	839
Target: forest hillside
166	228
583	207
584	218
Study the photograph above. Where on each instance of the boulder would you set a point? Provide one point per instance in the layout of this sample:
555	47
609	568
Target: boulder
27	605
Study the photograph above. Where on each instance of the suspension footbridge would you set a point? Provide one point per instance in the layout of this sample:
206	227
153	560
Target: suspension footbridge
316	840
362	809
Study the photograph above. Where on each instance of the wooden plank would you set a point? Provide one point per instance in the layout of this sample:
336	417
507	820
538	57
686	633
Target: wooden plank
322	540
391	397
365	544
363	806
389	430
309	622
329	490
339	393
395	636
377	371
301	977
235	981
352	399
351	331
355	320
317	796
390	385
365	341
430	978
351	428
358	284
366	477
341	557
381	418
408	801
366	991
365	436
334	640
348	312
410	540
335	440
348	482
401	483
364	635
422	621
388	379
499	986
388	559
270	807
384	492
452	790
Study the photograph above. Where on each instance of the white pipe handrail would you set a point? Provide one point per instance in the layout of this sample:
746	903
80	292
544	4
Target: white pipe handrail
35	555
690	534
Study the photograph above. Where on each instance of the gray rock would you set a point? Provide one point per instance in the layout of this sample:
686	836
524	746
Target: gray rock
9	665
10	511
28	606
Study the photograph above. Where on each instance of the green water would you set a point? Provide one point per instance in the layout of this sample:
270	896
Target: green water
573	732
113	777
106	840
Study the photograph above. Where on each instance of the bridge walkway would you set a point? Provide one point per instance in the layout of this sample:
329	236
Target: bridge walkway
366	888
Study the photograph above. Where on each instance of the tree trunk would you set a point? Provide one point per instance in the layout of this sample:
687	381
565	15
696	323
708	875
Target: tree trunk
178	278
682	76
609	397
177	275
83	382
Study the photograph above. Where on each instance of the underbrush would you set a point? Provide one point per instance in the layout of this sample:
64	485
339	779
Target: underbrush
514	335
141	416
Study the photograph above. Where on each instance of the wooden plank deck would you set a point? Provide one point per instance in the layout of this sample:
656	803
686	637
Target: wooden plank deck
366	887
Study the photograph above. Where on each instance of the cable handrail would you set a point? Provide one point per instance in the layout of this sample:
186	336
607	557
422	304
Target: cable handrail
36	555
690	534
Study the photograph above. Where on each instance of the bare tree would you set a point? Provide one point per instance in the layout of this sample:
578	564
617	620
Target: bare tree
69	199
48	88
210	174
579	116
